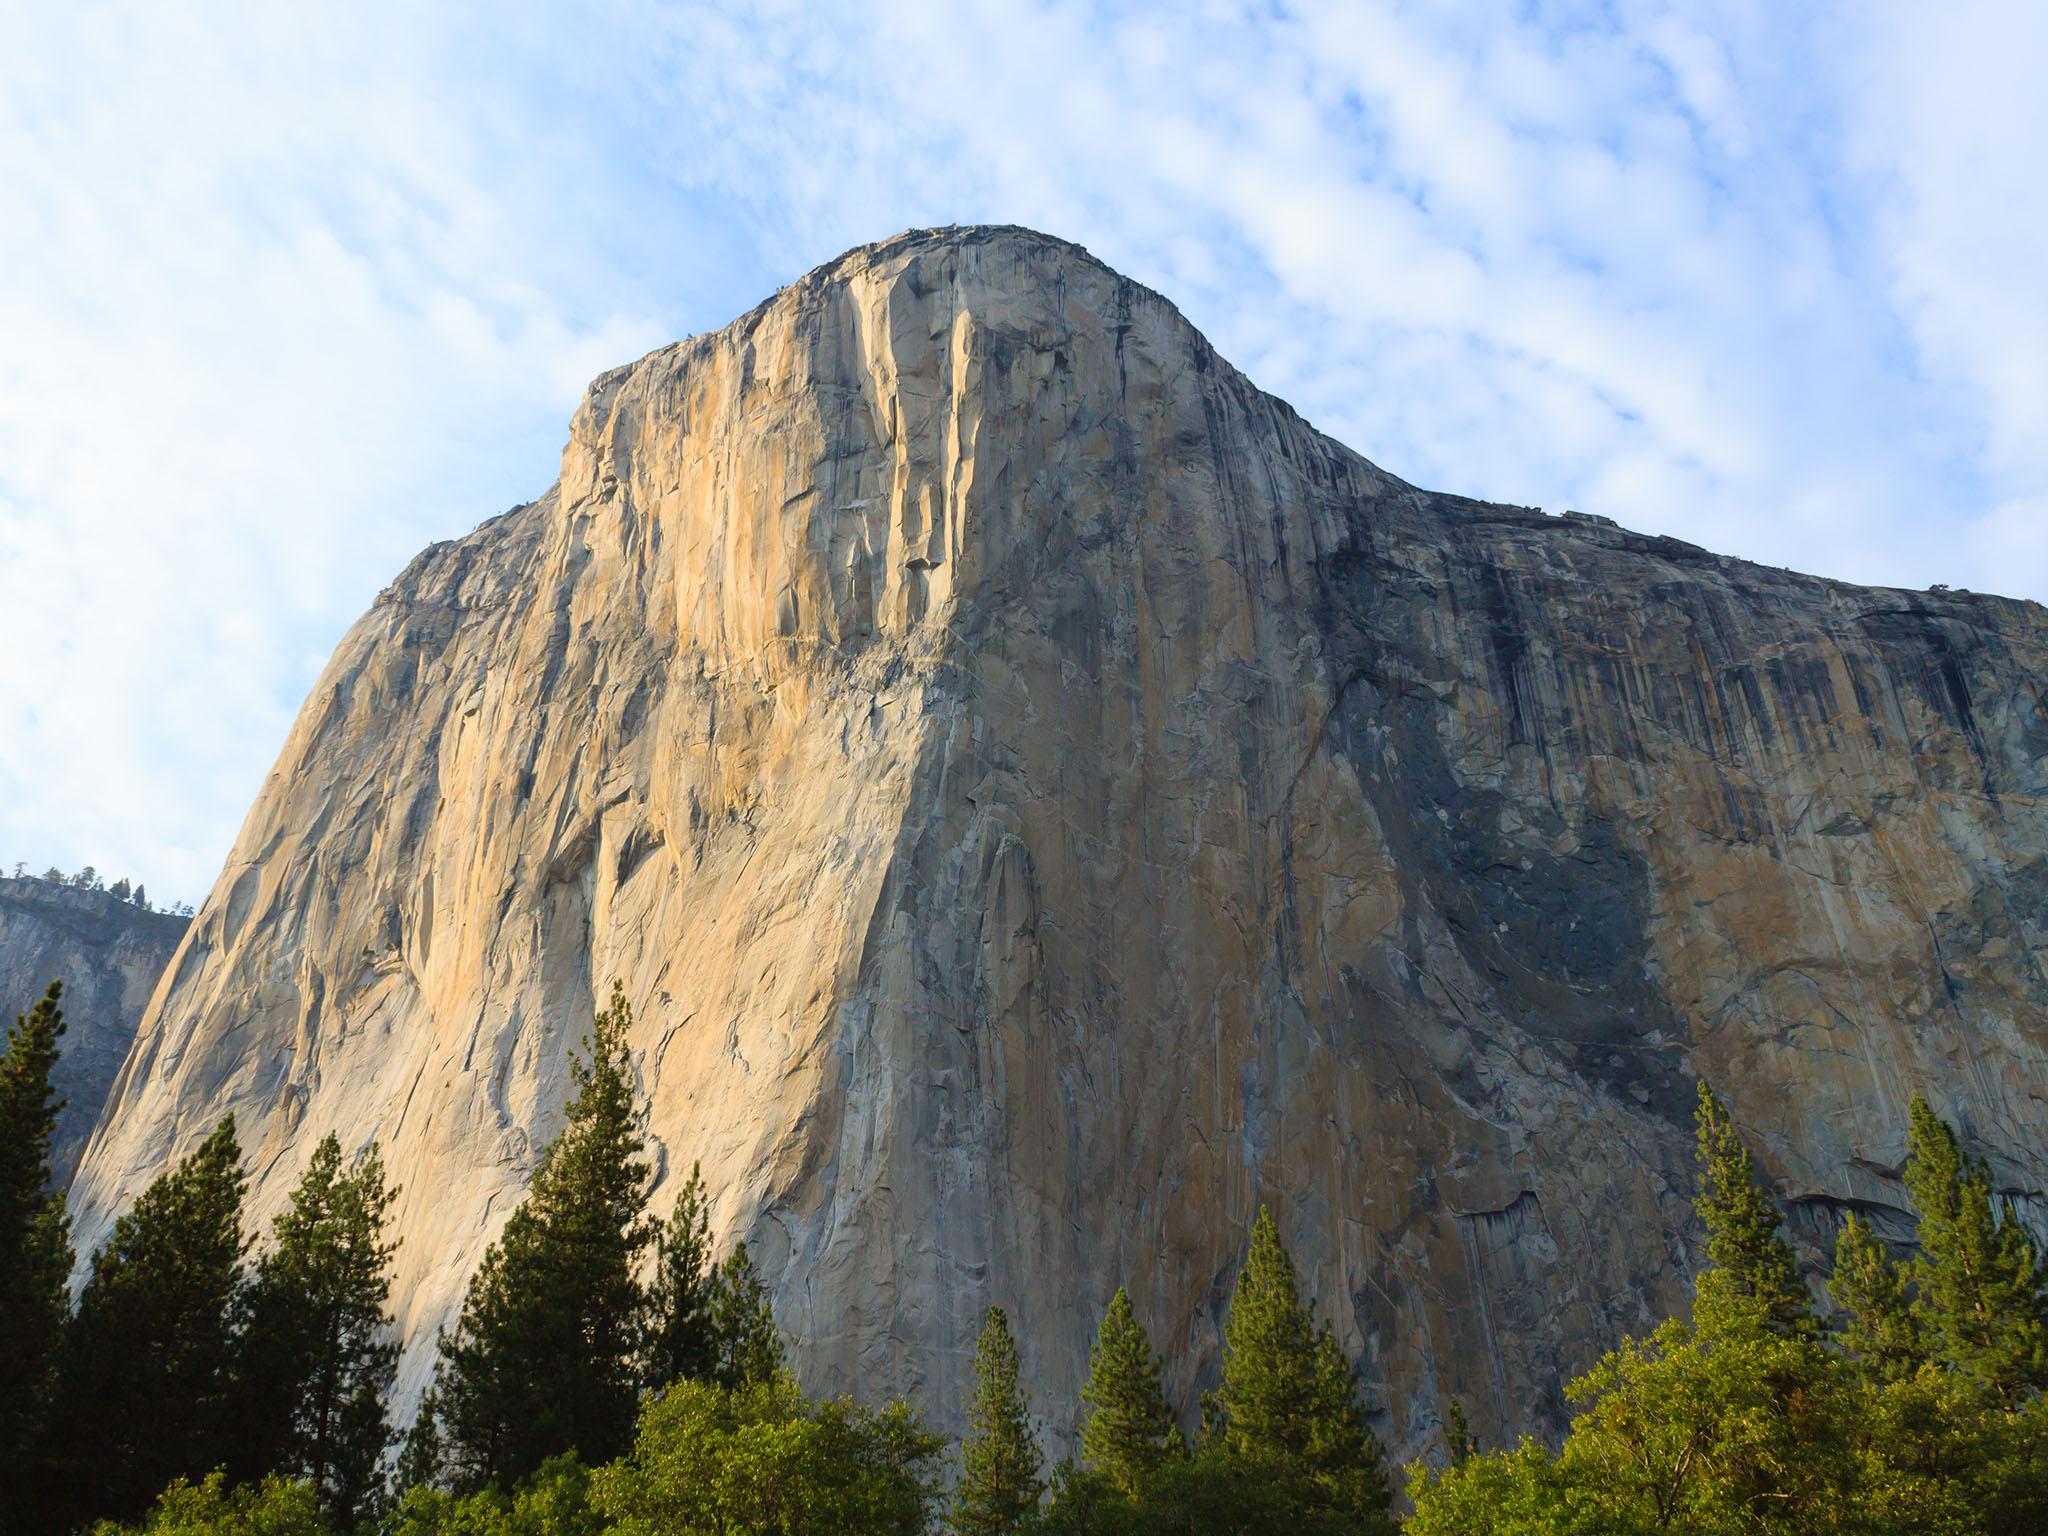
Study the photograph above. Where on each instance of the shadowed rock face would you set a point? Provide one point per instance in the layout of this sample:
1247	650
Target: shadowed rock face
109	954
1044	800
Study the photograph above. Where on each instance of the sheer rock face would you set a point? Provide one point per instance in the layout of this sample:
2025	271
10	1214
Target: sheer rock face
109	954
1043	800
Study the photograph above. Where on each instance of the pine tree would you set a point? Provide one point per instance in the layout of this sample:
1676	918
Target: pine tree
681	1345
1288	1401
1129	1429
1980	1298
317	1353
1742	1223
1458	1435
545	1357
1000	1469
35	1250
1877	1330
148	1358
422	1458
745	1348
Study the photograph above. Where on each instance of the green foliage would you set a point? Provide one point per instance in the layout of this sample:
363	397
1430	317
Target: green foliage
1921	1415
1711	1426
1206	1492
275	1506
1979	1282
1085	1501
681	1341
1868	1287
147	1363
1726	1424
554	1501
761	1460
745	1348
1129	1429
546	1356
1288	1399
317	1353
1938	1454
1000	1481
35	1251
1742	1222
1521	1492
1458	1436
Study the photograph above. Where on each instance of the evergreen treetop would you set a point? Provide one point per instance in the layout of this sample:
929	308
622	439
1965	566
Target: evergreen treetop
1269	1348
148	1358
1877	1328
35	1250
28	1113
681	1345
745	1348
547	1355
1000	1468
317	1352
1457	1435
1129	1429
1288	1397
1980	1296
1742	1222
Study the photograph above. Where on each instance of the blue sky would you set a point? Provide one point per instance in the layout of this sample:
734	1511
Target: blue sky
291	291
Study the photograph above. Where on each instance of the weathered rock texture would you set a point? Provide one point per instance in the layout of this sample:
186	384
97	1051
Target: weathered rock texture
1044	799
109	954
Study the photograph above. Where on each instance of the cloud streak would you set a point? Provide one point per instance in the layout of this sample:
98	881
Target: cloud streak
289	297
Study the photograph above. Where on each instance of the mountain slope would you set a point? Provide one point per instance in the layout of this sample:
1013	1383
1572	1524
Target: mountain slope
1044	800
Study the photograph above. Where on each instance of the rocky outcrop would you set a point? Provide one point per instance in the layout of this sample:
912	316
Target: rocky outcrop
1043	800
108	953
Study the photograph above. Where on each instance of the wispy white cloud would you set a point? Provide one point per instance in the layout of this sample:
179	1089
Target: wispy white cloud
291	292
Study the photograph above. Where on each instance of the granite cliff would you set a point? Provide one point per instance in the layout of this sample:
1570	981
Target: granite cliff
1044	799
109	954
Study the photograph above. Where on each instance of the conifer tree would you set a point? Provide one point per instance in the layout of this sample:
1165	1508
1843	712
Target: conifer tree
746	1350
1129	1430
1742	1222
1877	1330
148	1359
681	1345
35	1250
1288	1400
317	1352
545	1358
1000	1468
1458	1435
1980	1290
